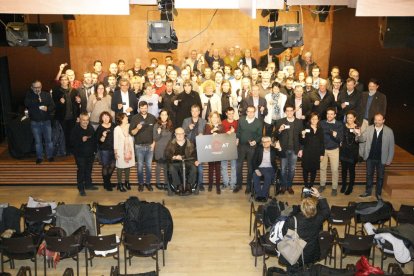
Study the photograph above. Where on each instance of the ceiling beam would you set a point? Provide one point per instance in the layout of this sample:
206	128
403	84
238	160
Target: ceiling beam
385	8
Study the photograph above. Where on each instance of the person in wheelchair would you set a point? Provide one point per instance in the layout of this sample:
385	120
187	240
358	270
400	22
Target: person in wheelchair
264	164
177	151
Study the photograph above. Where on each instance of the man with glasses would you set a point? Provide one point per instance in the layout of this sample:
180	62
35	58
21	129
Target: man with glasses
264	164
177	150
40	106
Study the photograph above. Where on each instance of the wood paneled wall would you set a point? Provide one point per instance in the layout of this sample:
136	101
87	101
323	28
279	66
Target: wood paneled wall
110	38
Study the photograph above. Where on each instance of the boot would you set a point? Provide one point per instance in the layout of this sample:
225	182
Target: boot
343	188
127	185
120	187
350	188
210	187
108	184
218	191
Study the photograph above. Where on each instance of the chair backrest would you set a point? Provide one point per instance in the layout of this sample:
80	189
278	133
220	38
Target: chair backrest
37	214
61	244
18	245
68	272
340	214
110	214
24	271
101	243
140	242
357	244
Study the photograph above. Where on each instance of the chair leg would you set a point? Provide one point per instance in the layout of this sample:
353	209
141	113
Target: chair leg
86	261
44	261
125	260
157	268
1	260
251	215
77	264
163	255
35	265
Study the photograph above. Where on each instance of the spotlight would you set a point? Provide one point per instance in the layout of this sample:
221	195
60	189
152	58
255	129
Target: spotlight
273	15
161	36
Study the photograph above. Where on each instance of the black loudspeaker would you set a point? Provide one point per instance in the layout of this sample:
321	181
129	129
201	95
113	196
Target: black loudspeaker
280	37
161	37
5	96
396	32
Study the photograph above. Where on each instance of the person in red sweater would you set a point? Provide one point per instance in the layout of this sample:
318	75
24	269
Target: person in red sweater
229	127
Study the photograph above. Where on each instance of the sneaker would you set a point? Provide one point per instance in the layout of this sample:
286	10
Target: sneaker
321	189
290	191
82	193
366	194
91	188
334	192
201	187
39	161
379	197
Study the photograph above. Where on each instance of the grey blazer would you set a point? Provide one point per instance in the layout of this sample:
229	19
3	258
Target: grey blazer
387	149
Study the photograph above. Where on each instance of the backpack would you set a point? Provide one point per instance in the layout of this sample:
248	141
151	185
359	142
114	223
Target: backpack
143	217
272	211
375	212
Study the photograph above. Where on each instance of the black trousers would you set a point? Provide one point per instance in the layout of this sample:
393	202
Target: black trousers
67	126
176	168
245	152
84	173
306	177
348	167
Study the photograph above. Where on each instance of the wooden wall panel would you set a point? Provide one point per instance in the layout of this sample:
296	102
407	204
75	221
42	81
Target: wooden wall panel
109	38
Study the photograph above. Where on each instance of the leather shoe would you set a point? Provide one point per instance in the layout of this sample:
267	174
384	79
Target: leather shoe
93	188
38	161
290	191
82	193
379	197
364	195
51	159
159	186
282	191
140	188
149	187
237	189
247	191
201	187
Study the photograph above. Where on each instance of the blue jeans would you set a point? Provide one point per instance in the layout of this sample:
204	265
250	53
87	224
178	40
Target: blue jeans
225	175
144	155
372	166
288	166
42	129
268	175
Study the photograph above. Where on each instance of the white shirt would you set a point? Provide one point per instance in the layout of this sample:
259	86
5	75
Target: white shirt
378	130
266	163
125	102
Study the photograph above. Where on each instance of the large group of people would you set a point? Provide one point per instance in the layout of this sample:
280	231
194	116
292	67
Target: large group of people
278	107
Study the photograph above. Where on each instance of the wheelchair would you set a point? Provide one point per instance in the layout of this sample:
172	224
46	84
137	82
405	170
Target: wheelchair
183	189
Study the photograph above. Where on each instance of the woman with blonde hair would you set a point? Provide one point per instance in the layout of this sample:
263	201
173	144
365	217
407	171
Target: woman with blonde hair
313	212
214	127
210	101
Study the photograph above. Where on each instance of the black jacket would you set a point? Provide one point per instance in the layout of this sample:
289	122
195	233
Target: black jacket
353	100
117	99
59	93
249	101
254	62
33	102
283	136
258	157
308	229
306	104
327	101
80	148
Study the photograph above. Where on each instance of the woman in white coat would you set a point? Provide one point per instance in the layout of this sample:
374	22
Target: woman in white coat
124	151
275	103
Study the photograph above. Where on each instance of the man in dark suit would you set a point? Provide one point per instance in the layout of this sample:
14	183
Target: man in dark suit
323	100
124	101
373	102
287	133
302	103
248	60
350	99
264	164
258	102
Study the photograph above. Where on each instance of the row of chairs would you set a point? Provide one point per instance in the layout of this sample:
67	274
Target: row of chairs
357	244
26	247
